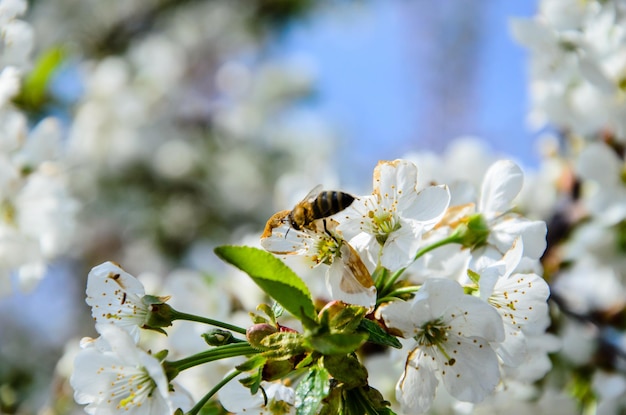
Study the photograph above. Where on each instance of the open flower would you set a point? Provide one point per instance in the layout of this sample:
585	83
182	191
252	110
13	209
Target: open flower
452	335
395	215
501	184
115	297
347	278
113	375
520	299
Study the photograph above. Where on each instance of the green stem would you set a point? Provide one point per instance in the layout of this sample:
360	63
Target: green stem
380	276
396	293
200	404
177	315
217	353
454	238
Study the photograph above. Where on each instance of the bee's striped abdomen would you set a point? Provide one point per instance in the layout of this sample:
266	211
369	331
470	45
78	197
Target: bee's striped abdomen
330	202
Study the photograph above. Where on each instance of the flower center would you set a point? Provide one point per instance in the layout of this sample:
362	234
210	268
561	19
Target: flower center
133	385
432	333
383	224
327	249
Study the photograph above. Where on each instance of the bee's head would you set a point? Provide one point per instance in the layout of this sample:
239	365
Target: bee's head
293	222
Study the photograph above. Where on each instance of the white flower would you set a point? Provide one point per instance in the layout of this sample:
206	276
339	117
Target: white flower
501	184
395	216
347	278
452	333
115	297
275	399
521	301
112	375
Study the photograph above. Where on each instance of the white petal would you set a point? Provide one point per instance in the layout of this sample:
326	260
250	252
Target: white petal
390	177
398	315
474	373
285	240
472	316
502	182
513	349
115	297
401	246
524	300
533	234
416	388
237	398
442	294
344	285
428	207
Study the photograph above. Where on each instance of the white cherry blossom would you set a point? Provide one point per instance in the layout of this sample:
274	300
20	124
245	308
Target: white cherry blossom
112	375
501	184
521	301
453	335
347	278
396	215
115	298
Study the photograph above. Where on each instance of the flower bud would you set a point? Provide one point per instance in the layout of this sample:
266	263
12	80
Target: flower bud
256	333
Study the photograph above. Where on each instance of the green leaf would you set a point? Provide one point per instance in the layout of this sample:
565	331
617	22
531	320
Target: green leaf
312	390
332	403
337	343
346	369
35	86
378	335
272	276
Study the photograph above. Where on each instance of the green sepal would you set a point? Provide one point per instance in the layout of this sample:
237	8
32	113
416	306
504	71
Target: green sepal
474	276
312	390
378	335
346	369
159	315
269	312
253	362
307	360
341	317
253	382
272	276
283	345
474	232
161	355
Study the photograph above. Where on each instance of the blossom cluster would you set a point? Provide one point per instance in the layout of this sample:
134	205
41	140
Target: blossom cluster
463	326
37	209
468	329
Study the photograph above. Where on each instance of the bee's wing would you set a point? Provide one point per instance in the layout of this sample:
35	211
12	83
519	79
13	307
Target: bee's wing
349	280
310	197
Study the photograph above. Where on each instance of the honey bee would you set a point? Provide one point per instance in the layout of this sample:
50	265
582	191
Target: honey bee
350	281
318	204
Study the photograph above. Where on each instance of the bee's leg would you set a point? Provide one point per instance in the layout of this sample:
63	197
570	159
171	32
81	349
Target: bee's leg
328	232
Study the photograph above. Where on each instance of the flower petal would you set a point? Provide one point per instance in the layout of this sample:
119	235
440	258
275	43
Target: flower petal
416	388
502	182
473	371
428	207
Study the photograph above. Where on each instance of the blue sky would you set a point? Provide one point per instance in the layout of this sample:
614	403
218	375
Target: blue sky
371	80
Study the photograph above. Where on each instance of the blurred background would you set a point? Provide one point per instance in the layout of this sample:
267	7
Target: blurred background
186	123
